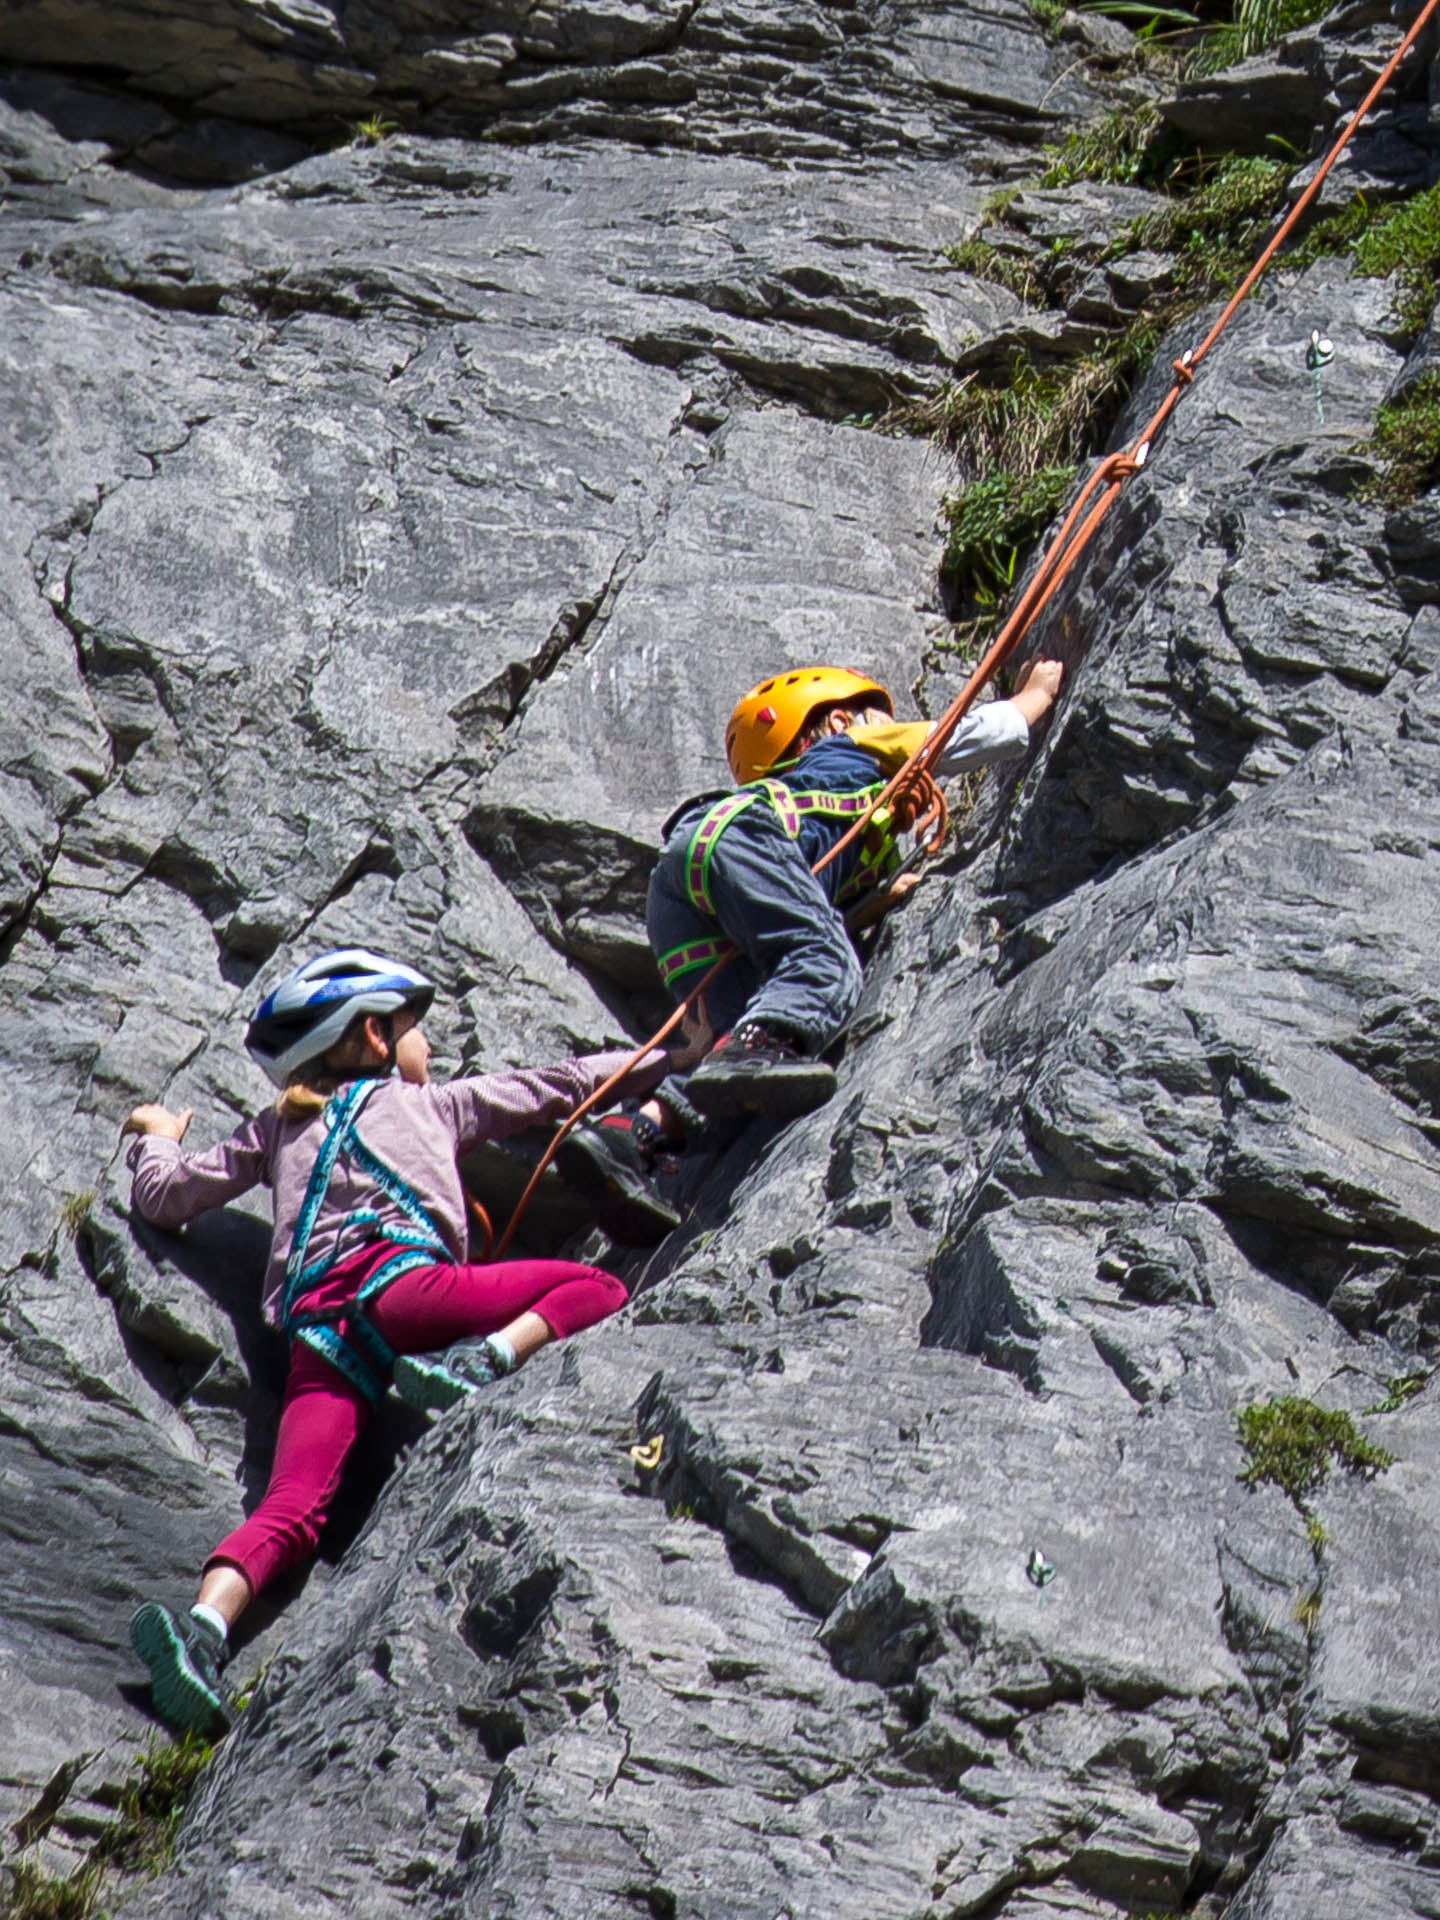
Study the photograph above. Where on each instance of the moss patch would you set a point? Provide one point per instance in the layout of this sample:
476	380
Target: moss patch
1406	443
1406	242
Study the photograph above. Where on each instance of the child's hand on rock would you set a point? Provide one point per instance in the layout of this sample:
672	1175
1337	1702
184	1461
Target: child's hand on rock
699	1039
1036	687
154	1118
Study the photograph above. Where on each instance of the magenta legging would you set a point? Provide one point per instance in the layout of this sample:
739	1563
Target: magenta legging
322	1415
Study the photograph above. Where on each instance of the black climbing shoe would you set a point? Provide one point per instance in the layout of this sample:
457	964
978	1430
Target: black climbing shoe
437	1380
606	1163
184	1656
755	1069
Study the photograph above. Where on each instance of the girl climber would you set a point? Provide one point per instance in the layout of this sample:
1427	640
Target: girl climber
367	1269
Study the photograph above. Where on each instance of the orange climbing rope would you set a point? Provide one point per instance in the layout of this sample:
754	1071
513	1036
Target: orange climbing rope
913	788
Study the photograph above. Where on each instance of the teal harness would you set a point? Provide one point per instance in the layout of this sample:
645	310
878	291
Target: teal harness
357	1351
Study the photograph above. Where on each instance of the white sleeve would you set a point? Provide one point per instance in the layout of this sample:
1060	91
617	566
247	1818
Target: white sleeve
996	731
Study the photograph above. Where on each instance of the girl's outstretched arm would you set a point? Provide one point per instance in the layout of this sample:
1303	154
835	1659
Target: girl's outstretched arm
170	1186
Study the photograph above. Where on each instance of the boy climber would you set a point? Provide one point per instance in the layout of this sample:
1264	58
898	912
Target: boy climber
809	750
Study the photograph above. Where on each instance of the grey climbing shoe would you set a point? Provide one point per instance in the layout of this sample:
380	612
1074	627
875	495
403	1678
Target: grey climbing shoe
607	1163
437	1380
757	1069
184	1656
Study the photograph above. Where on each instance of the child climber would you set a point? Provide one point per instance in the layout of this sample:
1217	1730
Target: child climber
367	1273
809	751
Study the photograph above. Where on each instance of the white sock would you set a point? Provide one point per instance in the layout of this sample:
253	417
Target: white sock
212	1618
504	1349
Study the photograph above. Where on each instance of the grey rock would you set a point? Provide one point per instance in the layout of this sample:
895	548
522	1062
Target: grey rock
1271	96
387	537
812	85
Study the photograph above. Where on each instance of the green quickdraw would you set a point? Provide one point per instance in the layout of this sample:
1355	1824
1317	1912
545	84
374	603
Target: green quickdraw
358	1352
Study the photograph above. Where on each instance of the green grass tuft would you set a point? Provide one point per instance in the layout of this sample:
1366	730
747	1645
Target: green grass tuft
75	1211
1117	147
1216	229
151	1803
1001	266
36	1895
1292	1444
1306	1610
1023	439
991	520
1258	24
137	1843
374	128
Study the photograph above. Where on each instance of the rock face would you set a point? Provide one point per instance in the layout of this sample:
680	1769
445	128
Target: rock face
388	533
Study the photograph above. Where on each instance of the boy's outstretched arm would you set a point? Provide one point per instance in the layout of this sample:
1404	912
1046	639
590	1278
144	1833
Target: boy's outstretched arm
1035	689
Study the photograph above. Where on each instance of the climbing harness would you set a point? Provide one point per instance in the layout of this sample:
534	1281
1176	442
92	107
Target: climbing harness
1319	352
343	1334
879	856
906	790
691	954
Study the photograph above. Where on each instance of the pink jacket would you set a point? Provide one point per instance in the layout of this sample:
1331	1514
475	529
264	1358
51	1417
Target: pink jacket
418	1131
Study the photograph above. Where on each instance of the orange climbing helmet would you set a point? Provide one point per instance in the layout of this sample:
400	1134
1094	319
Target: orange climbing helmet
768	720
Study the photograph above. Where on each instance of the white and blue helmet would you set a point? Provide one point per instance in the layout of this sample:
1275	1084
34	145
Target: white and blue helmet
312	1007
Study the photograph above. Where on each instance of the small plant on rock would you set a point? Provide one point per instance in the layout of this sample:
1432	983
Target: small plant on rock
1402	1389
1292	1444
1257	24
991	520
1216	228
1307	1610
139	1842
374	128
1002	267
1117	147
